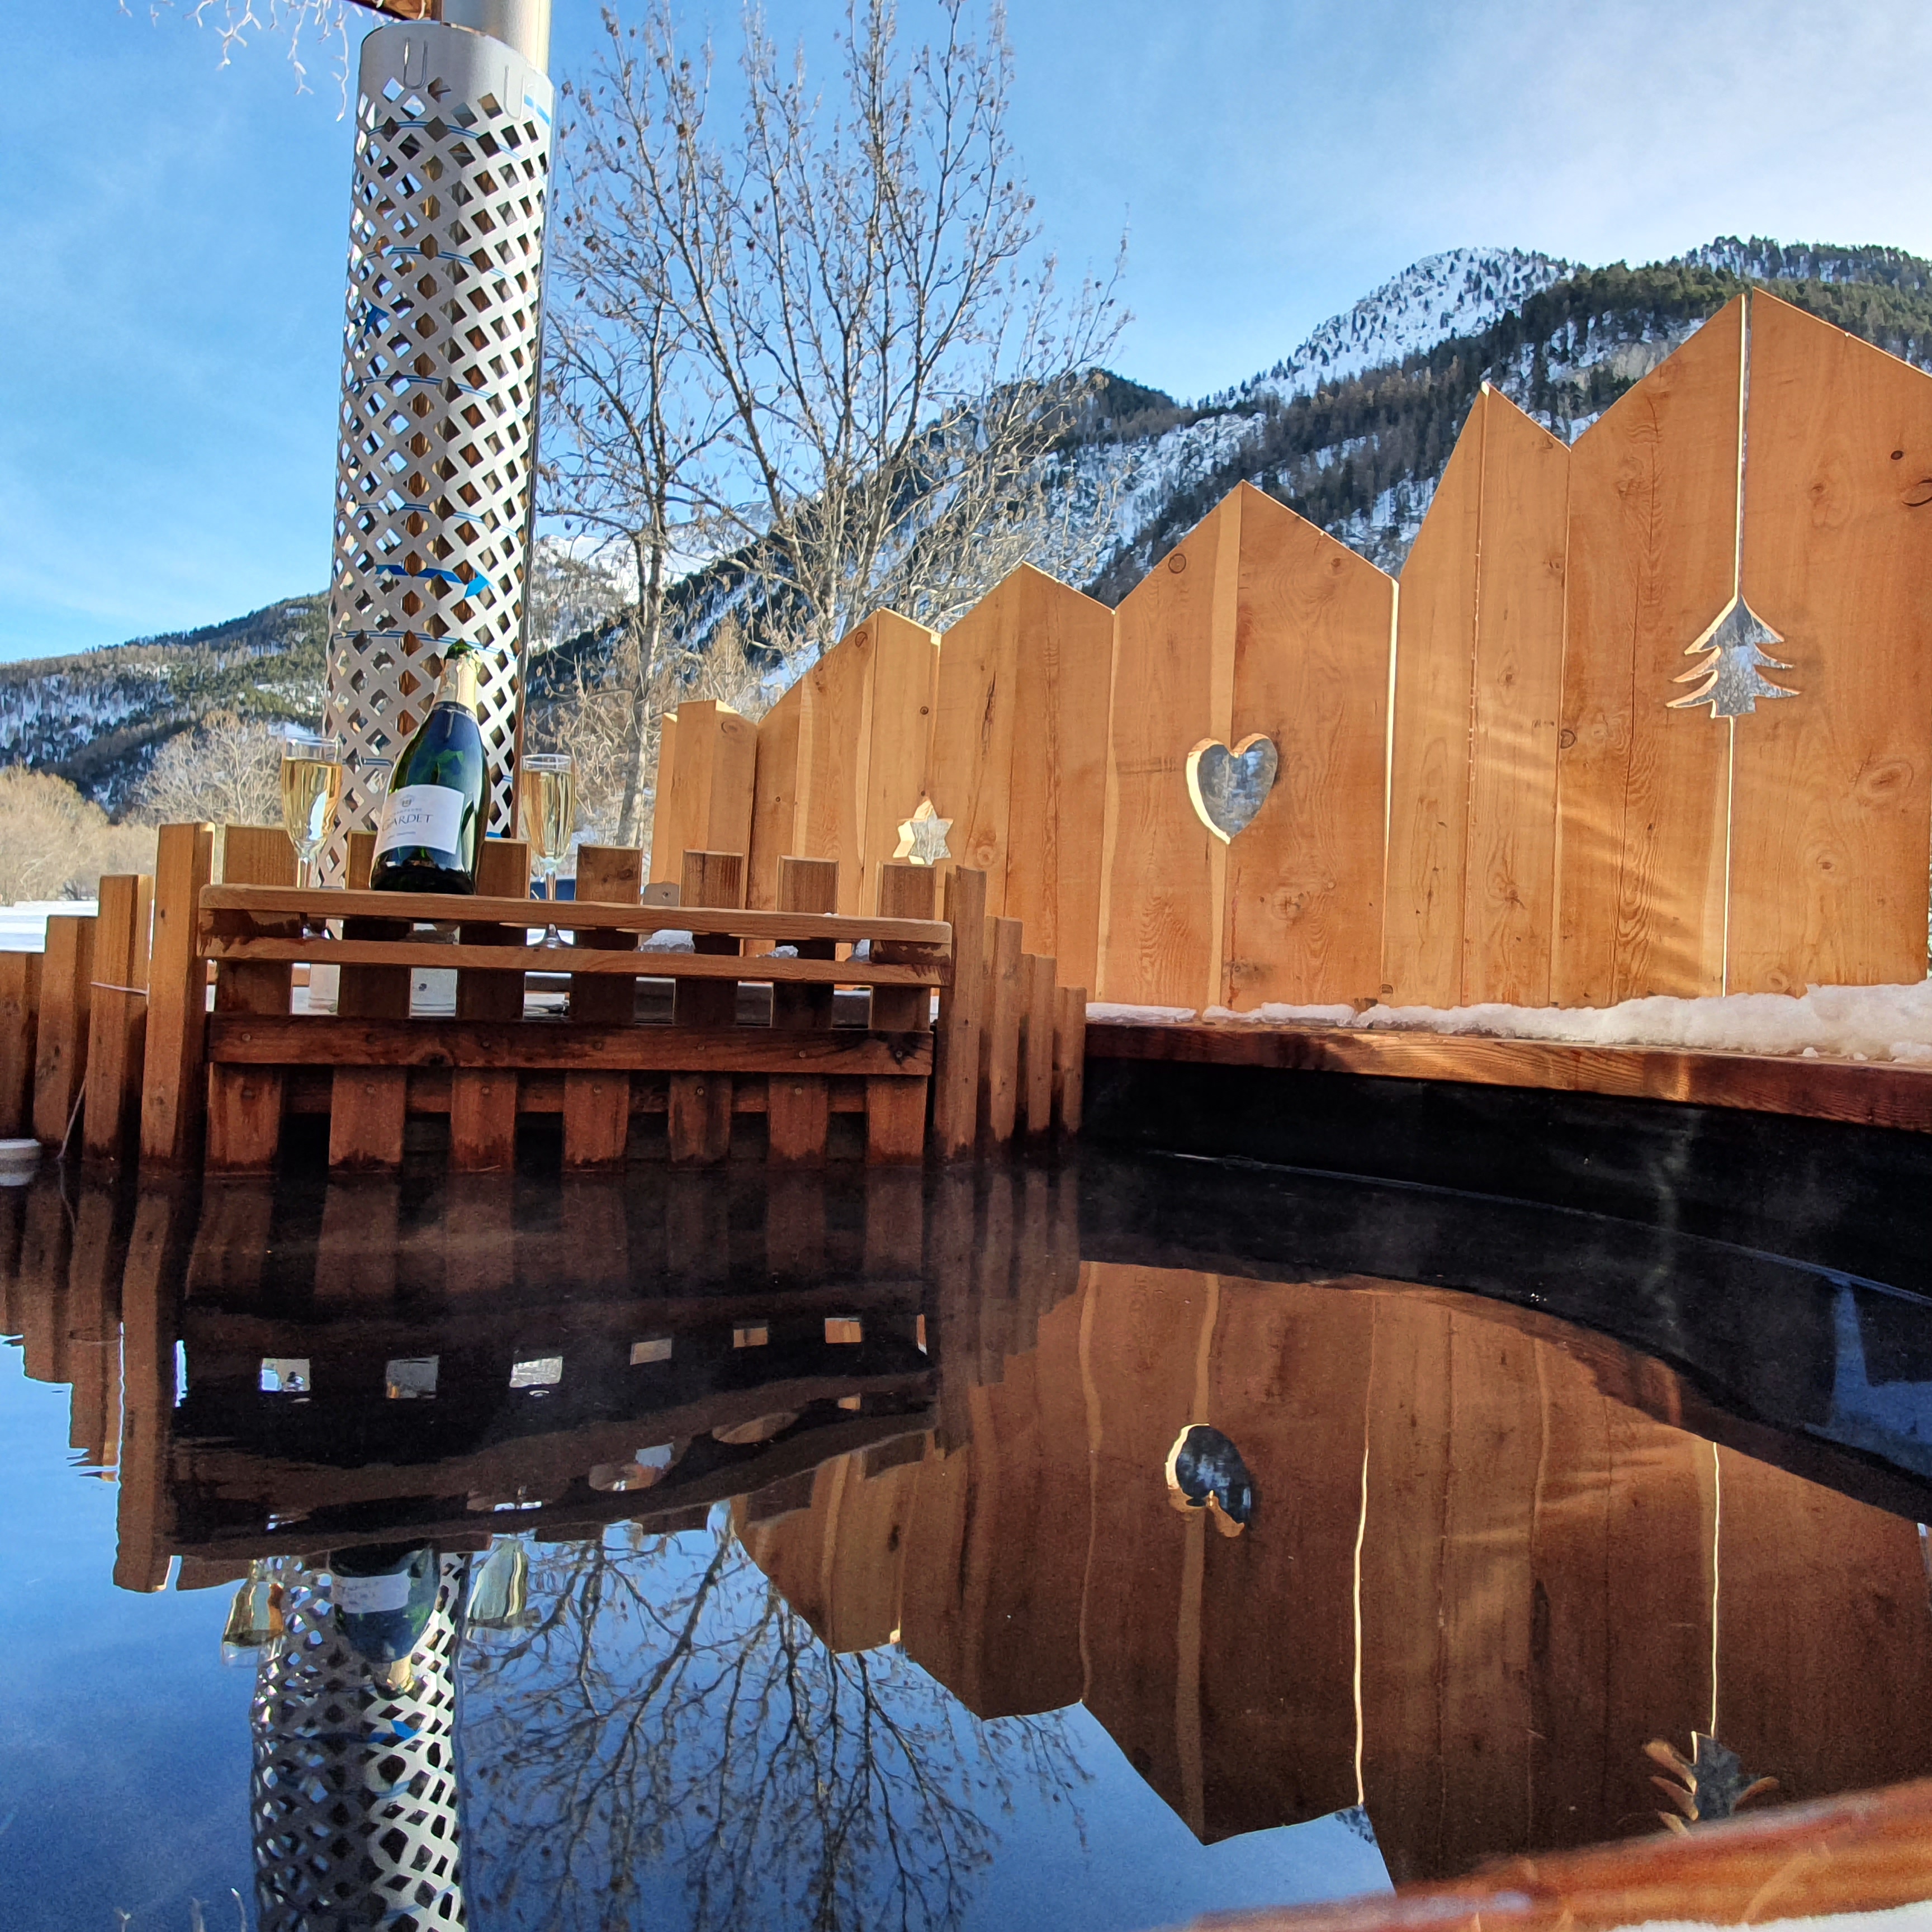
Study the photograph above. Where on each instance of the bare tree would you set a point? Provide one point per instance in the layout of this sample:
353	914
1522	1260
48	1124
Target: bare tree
884	359
630	421
55	842
227	769
671	1740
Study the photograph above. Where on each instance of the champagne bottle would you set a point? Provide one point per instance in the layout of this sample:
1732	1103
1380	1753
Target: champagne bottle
432	822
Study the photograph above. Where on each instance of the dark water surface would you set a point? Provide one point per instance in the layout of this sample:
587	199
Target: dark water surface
791	1552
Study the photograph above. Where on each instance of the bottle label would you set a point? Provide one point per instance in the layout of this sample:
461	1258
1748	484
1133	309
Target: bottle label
363	1596
421	815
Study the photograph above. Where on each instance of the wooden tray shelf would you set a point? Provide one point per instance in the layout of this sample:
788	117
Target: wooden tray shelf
759	969
779	928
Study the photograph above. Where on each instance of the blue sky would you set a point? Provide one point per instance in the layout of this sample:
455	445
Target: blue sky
174	234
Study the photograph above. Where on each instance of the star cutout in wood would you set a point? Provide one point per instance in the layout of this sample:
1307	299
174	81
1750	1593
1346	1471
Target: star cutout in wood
922	836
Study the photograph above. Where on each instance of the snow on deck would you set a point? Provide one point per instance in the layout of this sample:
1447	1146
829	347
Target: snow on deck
1872	1023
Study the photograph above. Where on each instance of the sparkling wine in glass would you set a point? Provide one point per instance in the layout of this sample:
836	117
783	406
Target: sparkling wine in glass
549	783
311	787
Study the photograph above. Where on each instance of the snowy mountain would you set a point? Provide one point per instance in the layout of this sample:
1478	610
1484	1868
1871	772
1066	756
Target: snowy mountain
1461	292
1351	430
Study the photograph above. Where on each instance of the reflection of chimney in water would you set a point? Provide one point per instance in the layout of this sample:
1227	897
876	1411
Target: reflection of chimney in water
354	1804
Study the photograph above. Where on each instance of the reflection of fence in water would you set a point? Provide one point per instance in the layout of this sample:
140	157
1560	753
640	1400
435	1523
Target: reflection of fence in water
1541	1544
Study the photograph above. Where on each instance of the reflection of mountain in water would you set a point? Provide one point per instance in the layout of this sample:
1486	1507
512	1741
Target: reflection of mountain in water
1493	1555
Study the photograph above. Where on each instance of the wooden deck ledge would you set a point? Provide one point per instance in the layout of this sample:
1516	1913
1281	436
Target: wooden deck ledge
1865	1092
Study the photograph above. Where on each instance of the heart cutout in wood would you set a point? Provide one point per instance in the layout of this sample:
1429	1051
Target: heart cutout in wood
1228	787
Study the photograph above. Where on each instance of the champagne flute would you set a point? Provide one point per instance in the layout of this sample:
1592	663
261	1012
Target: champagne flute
548	780
311	787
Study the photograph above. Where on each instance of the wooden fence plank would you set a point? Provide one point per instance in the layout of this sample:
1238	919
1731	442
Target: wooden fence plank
174	1088
19	1017
1832	799
118	1025
962	1008
1037	1044
775	827
705	801
1000	1039
665	834
245	1106
699	1126
1643	789
1315	630
368	1107
60	1041
895	1110
364	989
834	759
972	761
1059	792
1429	778
483	1101
900	700
366	1110
615	873
1510	874
797	1110
1162	872
1069	1072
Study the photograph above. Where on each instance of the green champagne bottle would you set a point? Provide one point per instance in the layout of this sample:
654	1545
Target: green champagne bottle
432	822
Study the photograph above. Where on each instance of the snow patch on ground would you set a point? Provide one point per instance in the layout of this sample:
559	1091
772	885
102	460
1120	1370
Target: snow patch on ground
1881	1023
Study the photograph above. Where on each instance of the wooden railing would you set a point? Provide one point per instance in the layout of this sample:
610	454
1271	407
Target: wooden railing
804	1016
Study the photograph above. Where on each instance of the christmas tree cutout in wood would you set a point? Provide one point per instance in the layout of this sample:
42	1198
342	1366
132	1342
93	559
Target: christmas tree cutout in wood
1729	679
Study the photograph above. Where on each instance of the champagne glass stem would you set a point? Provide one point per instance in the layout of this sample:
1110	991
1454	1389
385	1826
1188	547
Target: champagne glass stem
551	936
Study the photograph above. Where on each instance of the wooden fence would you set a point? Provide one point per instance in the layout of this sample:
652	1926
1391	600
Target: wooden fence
1517	780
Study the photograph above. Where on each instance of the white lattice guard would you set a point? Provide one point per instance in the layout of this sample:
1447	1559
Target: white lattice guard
355	1802
437	462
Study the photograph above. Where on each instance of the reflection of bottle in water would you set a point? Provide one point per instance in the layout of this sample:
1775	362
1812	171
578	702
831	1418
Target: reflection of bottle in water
355	1806
382	1597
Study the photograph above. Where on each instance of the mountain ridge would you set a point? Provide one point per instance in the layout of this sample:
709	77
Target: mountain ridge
1351	430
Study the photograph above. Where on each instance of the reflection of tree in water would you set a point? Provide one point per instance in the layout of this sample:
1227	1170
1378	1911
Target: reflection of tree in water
668	1736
